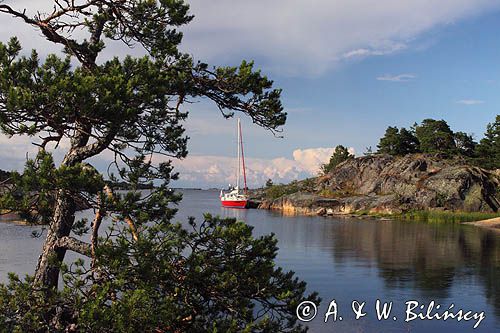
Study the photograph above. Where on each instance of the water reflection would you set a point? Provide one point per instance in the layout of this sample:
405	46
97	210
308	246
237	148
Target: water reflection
351	259
429	259
346	258
239	214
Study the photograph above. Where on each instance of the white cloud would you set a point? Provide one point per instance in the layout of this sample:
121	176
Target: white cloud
14	150
311	159
295	37
205	171
385	48
470	101
397	78
310	37
198	170
195	170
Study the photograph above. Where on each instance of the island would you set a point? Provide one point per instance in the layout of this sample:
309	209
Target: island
426	173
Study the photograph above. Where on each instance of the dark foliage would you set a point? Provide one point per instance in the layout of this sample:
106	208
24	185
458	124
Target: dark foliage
211	277
340	155
145	273
488	149
398	142
436	136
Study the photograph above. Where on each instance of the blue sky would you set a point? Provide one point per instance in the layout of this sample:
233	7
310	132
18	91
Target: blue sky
348	70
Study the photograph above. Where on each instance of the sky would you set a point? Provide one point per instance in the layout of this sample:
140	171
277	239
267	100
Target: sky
348	70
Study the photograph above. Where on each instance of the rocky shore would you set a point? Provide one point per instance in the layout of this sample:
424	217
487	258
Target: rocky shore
388	185
490	224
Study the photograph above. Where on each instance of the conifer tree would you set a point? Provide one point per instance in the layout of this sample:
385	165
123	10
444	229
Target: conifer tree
339	155
465	144
398	142
488	149
435	136
145	273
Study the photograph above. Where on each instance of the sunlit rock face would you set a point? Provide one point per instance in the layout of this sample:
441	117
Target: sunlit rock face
388	184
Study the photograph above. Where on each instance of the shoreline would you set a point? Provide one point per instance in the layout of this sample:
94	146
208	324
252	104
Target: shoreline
15	221
12	218
492	224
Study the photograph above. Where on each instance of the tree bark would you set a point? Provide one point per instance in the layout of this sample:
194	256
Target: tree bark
75	245
53	252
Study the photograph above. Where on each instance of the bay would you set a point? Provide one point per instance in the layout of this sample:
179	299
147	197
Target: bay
348	259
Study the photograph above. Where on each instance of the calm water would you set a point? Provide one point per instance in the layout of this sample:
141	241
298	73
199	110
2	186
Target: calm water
350	260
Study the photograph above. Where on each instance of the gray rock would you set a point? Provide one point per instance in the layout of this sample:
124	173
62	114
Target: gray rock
388	184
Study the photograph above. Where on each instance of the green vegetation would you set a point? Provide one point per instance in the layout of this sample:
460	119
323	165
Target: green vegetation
433	216
340	155
398	142
145	274
368	151
275	191
488	149
447	216
328	193
126	186
465	144
209	278
308	184
4	175
436	136
279	190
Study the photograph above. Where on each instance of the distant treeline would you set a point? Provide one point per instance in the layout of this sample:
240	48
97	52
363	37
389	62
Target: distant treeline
127	186
4	175
436	136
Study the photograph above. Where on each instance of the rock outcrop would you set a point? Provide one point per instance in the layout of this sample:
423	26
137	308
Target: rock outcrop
387	184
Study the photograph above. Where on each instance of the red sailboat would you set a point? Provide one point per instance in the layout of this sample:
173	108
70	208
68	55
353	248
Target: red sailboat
233	198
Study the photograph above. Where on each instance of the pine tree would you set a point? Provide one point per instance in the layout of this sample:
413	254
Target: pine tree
465	144
390	142
398	142
488	149
340	155
435	136
151	275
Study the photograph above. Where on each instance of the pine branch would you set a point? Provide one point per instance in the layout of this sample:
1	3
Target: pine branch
75	245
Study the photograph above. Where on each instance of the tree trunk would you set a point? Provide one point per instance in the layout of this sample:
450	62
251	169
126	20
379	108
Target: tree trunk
48	268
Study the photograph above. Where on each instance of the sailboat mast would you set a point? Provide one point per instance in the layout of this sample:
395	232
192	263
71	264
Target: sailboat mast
243	161
239	158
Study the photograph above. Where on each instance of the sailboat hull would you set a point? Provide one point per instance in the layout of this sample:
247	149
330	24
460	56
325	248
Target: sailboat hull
234	203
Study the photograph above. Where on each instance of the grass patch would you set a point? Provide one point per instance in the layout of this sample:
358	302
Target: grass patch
275	191
447	216
279	190
343	193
